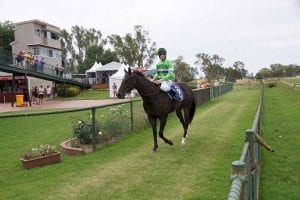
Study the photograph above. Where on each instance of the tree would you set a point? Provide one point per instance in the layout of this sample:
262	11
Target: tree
136	49
264	73
277	70
93	54
68	52
7	29
183	71
231	74
108	56
80	43
239	67
211	65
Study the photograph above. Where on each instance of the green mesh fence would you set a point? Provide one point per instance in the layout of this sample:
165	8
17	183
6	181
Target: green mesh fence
21	132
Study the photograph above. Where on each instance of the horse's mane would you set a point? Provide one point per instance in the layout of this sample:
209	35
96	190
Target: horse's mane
141	75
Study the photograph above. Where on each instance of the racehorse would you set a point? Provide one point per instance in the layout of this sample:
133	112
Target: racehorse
157	104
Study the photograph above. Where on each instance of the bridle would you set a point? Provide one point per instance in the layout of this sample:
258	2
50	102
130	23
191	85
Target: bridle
144	94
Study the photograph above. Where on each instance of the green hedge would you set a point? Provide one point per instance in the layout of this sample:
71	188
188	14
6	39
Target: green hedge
70	91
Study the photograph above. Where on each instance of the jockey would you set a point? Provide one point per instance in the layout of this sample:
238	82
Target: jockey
165	75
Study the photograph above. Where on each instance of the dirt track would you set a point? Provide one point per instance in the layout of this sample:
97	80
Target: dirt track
60	104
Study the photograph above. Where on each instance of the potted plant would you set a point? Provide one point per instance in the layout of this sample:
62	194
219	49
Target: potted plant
40	156
82	137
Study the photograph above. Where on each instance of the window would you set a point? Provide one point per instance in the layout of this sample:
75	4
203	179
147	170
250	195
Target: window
57	54
36	51
54	36
37	32
50	53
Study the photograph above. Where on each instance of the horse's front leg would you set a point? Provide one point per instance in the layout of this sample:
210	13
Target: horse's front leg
163	121
152	121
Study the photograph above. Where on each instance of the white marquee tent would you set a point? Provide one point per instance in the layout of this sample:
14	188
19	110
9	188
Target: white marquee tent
91	73
117	79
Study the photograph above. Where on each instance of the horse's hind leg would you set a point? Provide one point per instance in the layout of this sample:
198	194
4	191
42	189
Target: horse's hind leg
162	125
184	125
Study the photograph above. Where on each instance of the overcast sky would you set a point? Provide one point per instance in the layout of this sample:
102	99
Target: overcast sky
256	32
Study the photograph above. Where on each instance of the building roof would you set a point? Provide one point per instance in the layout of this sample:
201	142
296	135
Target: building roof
94	68
36	21
42	45
112	66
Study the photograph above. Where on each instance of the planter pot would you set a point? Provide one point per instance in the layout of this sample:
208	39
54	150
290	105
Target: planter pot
42	161
67	148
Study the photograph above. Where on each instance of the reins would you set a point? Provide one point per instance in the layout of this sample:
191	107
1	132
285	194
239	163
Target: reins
144	94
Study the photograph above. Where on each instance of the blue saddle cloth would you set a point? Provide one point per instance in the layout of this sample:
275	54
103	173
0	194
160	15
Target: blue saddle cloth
175	93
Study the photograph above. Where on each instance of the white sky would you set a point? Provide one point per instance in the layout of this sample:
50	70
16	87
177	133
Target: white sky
256	32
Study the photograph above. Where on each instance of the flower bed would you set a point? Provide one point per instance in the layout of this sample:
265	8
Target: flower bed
40	156
40	161
73	148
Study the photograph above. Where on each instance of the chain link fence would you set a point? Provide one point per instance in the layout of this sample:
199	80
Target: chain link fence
20	132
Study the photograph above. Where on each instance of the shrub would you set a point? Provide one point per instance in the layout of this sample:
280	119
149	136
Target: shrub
270	85
83	130
67	91
117	122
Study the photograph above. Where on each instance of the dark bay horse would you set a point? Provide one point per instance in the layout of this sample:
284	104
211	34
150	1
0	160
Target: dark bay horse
158	105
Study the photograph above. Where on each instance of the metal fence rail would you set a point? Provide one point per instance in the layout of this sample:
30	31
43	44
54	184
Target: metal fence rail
245	171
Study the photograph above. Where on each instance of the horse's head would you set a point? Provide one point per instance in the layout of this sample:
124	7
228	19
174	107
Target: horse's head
127	84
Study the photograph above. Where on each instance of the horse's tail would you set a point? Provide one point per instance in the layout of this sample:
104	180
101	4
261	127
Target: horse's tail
192	110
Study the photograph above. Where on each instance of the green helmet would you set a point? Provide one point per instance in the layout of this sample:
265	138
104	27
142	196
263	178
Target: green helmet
162	51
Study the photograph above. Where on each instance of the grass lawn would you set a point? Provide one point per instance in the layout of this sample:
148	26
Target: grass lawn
129	170
281	128
87	94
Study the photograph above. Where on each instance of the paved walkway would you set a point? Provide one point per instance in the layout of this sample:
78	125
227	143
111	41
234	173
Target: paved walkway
60	104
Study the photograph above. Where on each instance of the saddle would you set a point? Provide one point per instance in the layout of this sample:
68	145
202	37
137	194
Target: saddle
175	93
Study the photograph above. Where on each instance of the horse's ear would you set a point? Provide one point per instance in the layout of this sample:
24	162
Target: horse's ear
129	70
126	72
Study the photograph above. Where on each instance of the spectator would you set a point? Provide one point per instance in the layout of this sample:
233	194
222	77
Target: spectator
49	90
114	87
28	58
61	71
41	94
20	59
56	70
42	64
36	63
34	94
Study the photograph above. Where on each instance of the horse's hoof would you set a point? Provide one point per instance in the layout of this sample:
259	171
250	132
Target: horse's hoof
154	149
183	141
170	142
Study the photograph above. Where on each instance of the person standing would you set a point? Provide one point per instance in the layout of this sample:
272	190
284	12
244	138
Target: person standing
41	64
49	90
41	94
28	58
20	59
114	87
